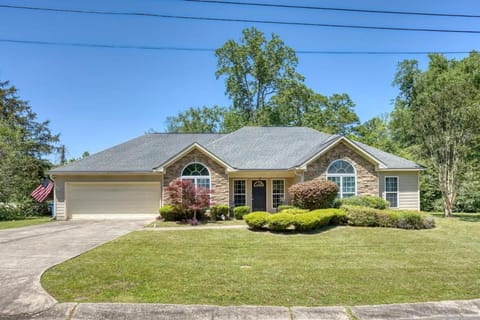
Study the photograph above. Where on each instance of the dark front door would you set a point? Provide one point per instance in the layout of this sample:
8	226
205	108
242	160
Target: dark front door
259	195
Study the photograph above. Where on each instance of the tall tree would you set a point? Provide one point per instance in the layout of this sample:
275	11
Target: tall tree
442	107
24	143
254	70
265	89
339	114
206	120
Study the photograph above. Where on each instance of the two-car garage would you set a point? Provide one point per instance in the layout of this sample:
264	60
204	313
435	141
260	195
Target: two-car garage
100	200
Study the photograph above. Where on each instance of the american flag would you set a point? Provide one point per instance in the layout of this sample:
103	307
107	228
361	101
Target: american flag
43	190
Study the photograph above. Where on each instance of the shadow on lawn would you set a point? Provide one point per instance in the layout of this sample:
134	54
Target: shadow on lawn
469	217
291	232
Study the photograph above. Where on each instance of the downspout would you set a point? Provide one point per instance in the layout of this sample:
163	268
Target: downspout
53	207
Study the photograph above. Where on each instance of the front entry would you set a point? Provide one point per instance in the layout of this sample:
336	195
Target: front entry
259	195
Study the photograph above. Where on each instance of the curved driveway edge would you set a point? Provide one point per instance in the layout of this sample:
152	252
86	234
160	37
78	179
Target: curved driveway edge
25	253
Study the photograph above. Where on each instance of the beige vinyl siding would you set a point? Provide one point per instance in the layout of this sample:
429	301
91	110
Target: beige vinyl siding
107	195
60	210
408	195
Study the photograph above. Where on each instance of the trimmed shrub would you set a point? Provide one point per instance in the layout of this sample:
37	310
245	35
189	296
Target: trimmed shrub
403	219
308	221
387	219
361	216
340	217
294	211
428	222
281	221
410	220
363	201
313	220
313	194
257	220
240	211
216	212
282	207
168	213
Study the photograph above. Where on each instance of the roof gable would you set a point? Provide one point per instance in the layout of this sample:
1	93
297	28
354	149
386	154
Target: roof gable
187	150
332	143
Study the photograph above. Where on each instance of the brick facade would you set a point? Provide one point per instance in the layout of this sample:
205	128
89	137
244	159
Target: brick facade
367	178
218	176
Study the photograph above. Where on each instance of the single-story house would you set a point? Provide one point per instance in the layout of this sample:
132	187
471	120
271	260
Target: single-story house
252	166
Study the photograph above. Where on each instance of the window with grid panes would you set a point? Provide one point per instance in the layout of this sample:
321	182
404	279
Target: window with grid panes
278	192
239	193
343	174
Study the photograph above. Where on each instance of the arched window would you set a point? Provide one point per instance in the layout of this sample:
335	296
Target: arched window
343	174
198	174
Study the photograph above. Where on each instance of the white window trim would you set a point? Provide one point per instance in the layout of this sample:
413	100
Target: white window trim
244	194
283	194
398	190
194	178
341	175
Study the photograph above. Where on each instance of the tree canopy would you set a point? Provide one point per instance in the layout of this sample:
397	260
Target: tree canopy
439	110
24	143
266	90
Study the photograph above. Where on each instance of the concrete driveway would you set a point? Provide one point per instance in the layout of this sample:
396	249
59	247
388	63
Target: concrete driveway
25	253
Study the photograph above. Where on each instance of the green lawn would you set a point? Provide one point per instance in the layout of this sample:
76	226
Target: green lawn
168	224
338	266
23	223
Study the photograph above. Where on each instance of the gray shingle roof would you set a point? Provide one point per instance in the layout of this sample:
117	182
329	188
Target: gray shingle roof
249	148
141	154
390	161
259	148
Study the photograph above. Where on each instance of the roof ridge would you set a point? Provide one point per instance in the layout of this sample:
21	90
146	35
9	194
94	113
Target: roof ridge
361	147
365	146
185	133
320	146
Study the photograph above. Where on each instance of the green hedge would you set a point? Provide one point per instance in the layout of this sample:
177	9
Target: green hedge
363	201
403	219
168	213
351	215
314	219
257	220
219	211
240	211
361	216
284	221
281	221
294	211
282	207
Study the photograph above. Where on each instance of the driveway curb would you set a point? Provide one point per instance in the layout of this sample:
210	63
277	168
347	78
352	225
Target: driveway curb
443	310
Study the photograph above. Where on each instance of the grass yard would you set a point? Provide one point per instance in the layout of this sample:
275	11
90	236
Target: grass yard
338	266
169	224
23	223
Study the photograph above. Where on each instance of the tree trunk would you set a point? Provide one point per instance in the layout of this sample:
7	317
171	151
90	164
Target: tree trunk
447	210
194	220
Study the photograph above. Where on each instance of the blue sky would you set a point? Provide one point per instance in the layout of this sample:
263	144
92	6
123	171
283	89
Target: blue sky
99	97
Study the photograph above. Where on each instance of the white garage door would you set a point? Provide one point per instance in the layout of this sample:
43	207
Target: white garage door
117	200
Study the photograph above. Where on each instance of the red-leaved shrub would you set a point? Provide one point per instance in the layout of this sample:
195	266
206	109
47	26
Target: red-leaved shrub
313	194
